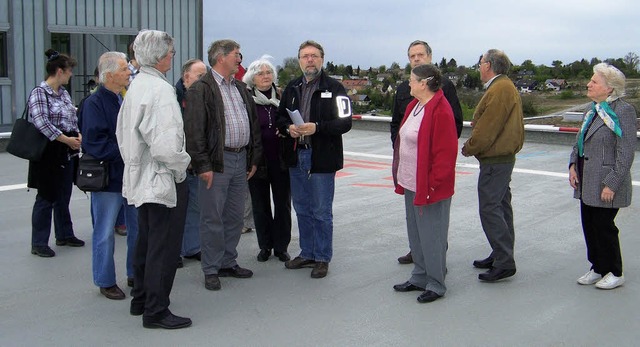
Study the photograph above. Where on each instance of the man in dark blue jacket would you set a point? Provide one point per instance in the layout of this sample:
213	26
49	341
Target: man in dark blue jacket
99	118
314	154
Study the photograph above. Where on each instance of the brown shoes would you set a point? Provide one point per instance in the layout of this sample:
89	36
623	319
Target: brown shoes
320	270
113	293
406	259
299	263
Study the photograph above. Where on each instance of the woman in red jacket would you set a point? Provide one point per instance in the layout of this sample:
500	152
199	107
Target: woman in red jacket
424	172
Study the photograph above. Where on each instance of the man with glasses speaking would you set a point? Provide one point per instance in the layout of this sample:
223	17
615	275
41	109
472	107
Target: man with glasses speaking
313	114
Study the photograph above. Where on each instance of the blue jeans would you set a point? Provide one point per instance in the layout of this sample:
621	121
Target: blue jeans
105	207
191	237
312	197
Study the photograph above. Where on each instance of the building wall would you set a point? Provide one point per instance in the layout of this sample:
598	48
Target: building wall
94	26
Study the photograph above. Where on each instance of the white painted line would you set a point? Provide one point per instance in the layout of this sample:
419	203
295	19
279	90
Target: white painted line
13	187
476	166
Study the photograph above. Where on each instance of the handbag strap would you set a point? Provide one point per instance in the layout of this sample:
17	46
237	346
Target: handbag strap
26	112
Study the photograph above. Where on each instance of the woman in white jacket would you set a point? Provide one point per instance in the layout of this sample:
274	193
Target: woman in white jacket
151	139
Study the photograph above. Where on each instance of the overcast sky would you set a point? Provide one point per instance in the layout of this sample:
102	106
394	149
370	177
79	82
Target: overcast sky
372	33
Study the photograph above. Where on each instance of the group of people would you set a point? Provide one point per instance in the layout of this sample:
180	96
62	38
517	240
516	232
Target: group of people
180	160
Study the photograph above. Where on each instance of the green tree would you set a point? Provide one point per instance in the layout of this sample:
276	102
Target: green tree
290	70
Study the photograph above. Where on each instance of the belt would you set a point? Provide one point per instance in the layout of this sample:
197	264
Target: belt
304	146
234	150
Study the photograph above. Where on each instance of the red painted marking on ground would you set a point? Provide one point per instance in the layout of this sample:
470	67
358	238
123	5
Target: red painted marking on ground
340	174
367	162
361	166
372	185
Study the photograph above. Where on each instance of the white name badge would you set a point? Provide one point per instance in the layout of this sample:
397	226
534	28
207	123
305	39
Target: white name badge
326	95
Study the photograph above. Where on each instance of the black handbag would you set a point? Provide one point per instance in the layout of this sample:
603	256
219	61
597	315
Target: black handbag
27	142
92	174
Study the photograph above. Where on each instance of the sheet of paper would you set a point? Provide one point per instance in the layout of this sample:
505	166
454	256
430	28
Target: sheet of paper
295	116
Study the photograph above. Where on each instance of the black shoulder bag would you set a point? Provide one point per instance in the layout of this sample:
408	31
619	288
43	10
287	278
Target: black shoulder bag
27	142
93	174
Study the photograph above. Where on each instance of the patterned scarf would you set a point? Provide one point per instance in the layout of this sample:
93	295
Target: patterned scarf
261	99
609	117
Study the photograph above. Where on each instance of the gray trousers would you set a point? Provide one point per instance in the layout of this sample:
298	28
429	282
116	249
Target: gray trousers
496	214
428	229
221	213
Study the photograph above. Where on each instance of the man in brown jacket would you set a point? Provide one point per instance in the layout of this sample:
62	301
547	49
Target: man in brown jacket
497	135
223	139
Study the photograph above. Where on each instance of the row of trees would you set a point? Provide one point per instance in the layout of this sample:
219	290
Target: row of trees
467	77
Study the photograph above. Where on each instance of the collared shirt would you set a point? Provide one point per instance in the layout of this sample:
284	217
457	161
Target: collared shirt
134	71
307	89
52	113
237	129
486	85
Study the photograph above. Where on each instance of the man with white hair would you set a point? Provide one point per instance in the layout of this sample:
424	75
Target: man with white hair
100	113
151	139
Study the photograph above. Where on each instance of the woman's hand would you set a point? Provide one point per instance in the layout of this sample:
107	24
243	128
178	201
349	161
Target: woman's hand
73	142
573	177
607	194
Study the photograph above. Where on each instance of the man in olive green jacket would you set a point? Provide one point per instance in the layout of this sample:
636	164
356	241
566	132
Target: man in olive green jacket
497	135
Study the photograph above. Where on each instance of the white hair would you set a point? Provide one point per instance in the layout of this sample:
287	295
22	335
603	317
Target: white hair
151	46
108	62
613	77
254	69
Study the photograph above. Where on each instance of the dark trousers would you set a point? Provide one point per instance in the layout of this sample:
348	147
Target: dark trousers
496	214
59	205
273	228
601	237
156	255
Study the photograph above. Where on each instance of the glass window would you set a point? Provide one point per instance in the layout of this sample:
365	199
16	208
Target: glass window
3	54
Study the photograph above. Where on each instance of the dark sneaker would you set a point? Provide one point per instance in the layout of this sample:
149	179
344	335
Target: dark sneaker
264	255
299	263
180	263
320	270
235	271
171	321
136	309
43	251
71	242
212	282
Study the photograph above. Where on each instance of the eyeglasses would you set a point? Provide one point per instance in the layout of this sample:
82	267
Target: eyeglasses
310	56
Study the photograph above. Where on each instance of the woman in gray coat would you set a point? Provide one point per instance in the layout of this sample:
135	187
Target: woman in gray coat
600	173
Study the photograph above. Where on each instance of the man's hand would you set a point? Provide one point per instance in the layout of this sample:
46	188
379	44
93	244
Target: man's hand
252	172
463	151
307	129
207	177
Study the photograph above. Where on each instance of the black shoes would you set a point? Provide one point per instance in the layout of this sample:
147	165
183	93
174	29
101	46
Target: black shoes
196	256
235	271
114	292
406	259
486	263
264	255
171	321
406	287
299	263
428	296
71	242
212	282
136	309
282	256
495	274
43	251
180	263
320	270
130	282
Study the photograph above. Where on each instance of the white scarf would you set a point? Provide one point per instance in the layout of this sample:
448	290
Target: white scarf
261	99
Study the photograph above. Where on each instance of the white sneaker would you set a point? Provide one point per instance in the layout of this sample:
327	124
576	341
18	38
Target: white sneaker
590	277
609	281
